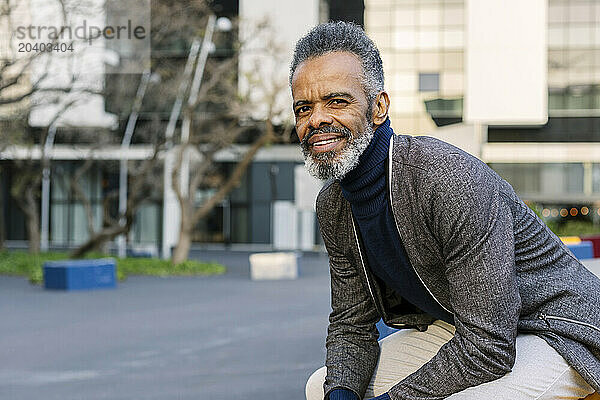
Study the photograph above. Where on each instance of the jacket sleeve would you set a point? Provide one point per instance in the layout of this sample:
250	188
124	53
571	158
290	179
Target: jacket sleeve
473	224
352	348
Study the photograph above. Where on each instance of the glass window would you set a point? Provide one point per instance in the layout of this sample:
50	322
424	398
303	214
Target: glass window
579	97
453	38
453	15
595	57
405	39
556	98
383	39
405	16
429	61
79	231
574	177
378	3
452	84
524	178
556	36
405	60
579	58
430	16
428	39
453	60
596	178
556	59
596	34
552	178
59	182
403	82
558	78
147	223
580	11
239	224
403	104
375	18
58	223
429	82
580	77
580	35
557	12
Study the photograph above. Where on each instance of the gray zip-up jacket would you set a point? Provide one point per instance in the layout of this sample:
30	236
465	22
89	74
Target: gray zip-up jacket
481	253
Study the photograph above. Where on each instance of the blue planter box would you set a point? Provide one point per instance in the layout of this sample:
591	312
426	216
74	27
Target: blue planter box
80	274
582	250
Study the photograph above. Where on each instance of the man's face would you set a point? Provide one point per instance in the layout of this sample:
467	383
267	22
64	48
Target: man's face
331	113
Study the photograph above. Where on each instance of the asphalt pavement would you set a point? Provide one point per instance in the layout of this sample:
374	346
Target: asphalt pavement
223	337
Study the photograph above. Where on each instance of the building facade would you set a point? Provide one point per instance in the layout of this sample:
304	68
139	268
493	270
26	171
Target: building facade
532	114
534	119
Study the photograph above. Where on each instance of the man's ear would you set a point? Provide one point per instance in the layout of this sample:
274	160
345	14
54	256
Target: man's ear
381	108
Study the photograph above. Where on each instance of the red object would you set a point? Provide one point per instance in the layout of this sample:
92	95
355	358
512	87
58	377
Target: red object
595	239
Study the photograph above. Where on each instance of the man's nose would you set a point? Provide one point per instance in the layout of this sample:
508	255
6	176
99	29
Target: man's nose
319	118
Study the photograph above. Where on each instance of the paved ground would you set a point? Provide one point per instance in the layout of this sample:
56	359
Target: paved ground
166	338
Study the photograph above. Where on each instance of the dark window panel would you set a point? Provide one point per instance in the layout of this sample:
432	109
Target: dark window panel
557	129
347	10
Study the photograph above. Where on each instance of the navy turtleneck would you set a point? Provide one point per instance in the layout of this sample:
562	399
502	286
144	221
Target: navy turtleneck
365	187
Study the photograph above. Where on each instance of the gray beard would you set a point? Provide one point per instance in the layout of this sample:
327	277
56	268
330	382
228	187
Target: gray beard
330	165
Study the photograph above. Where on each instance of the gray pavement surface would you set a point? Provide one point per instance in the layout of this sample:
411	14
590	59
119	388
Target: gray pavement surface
215	338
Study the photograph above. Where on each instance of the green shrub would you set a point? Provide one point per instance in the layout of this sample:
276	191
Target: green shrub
574	228
20	263
570	227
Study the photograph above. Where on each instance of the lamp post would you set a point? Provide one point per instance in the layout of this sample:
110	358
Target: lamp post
45	211
147	78
171	213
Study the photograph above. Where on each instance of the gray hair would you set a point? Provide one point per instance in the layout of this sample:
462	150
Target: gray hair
342	36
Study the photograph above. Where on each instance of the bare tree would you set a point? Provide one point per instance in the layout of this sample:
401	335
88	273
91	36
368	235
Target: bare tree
174	23
20	92
142	184
219	117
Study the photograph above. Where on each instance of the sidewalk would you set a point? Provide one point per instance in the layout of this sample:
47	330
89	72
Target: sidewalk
211	338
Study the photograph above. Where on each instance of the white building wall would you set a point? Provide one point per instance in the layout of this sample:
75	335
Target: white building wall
506	67
82	70
269	30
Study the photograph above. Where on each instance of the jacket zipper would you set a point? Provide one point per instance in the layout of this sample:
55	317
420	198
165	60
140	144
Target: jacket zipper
391	147
546	317
362	263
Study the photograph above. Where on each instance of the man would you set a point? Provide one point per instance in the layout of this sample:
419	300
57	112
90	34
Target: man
425	236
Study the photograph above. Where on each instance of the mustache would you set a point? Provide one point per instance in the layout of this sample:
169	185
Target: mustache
342	131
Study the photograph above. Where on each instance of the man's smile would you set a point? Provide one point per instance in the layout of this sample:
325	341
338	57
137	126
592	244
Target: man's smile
323	143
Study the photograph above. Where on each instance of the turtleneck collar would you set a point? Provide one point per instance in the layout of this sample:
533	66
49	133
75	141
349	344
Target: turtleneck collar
364	186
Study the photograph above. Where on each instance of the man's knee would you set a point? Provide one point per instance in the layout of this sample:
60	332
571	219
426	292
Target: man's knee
314	385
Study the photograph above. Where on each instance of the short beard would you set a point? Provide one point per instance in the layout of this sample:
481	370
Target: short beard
330	165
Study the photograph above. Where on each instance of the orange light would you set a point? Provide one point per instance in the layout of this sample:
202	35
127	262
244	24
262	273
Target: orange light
573	212
546	212
563	212
585	210
554	212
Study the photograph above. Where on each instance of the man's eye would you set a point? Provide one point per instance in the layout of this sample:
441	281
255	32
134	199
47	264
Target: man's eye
302	109
339	102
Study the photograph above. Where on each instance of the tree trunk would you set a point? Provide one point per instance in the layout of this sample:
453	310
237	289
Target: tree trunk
33	220
33	232
99	239
2	224
182	250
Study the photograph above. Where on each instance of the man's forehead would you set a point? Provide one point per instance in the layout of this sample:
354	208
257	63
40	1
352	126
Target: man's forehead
328	68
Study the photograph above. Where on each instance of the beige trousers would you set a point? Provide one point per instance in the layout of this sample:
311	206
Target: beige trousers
539	373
